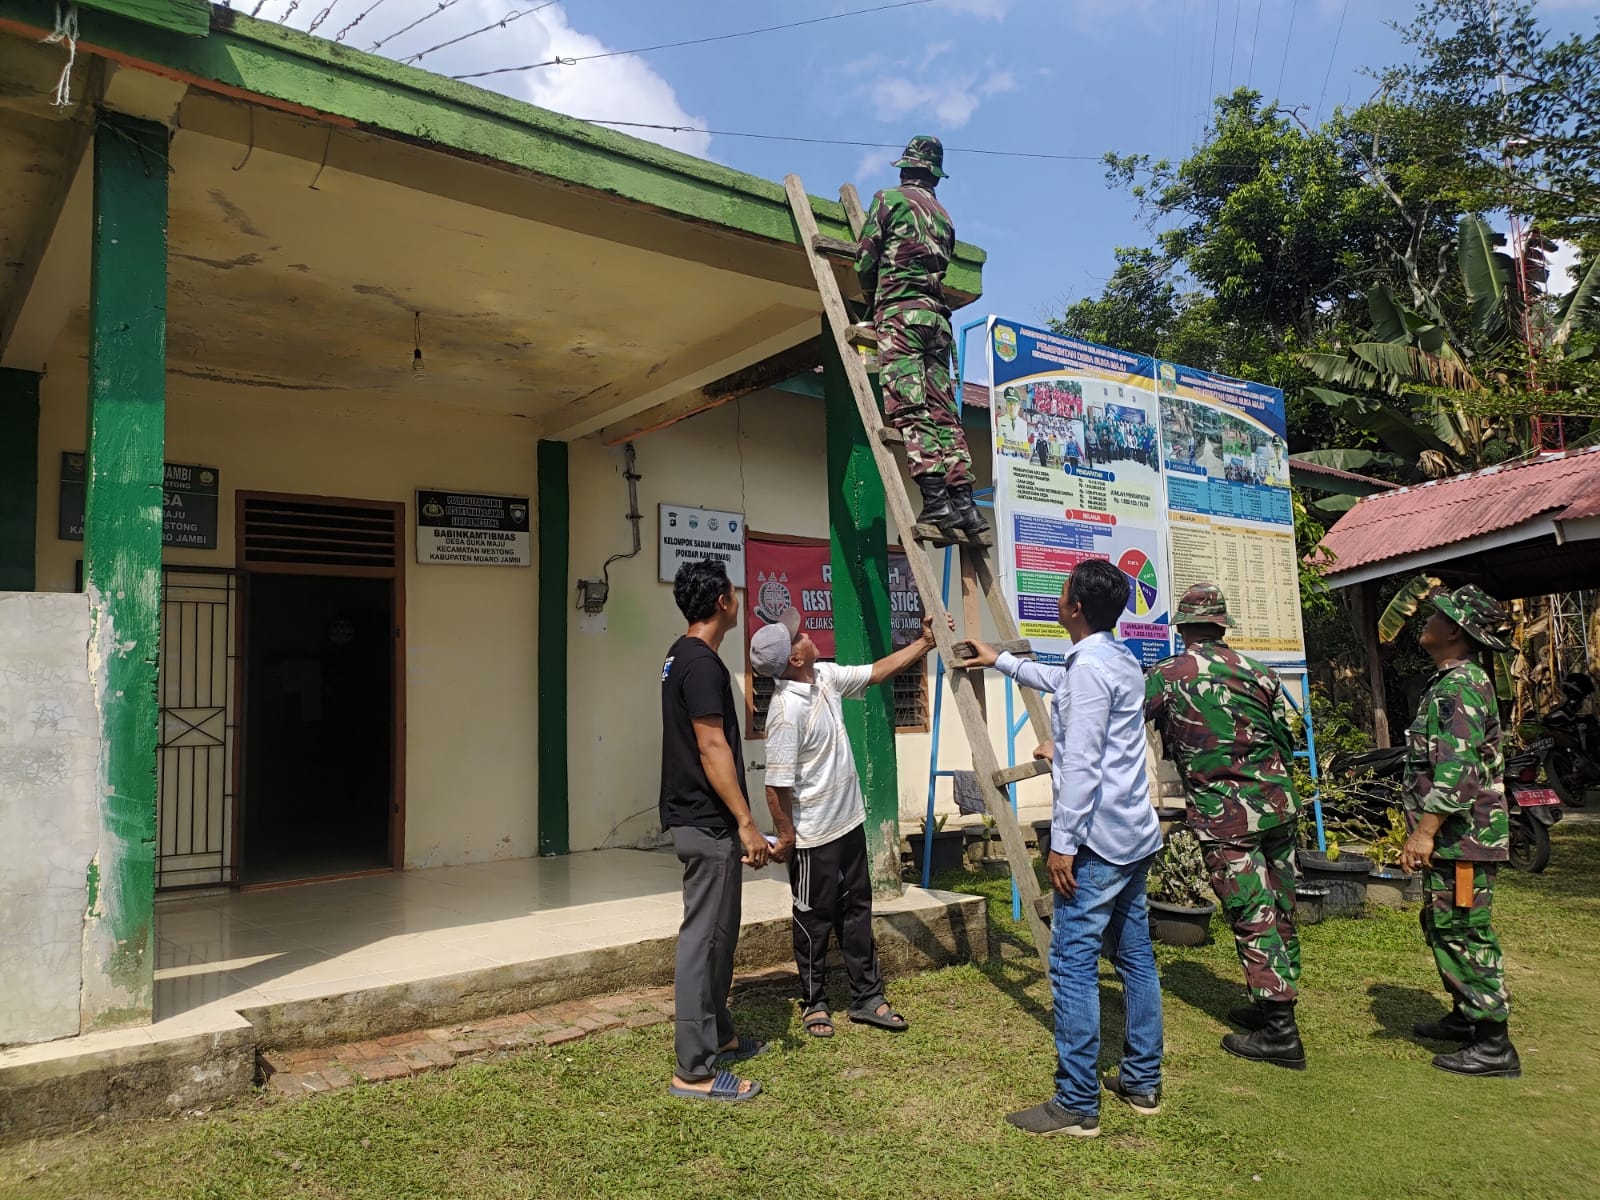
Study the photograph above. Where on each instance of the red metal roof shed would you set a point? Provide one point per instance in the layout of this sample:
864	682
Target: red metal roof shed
1520	529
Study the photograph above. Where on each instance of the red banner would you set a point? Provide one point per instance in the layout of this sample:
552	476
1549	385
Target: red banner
782	575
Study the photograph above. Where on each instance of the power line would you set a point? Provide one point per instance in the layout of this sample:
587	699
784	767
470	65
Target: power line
316	21
1250	71
819	141
1287	39
1233	43
441	6
362	16
500	24
1332	54
560	61
1216	22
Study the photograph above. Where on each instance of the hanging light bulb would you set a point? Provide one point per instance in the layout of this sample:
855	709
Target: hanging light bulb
417	369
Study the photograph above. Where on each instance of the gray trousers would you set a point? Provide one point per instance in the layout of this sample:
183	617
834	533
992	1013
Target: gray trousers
707	939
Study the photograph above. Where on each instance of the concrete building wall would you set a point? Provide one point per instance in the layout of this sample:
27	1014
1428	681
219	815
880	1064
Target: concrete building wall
471	660
470	645
49	823
762	456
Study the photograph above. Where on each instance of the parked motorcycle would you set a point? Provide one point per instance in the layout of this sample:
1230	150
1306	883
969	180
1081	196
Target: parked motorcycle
1534	806
1566	742
1376	777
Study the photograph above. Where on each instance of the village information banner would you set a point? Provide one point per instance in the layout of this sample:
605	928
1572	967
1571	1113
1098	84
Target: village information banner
1230	518
1178	476
799	575
1077	475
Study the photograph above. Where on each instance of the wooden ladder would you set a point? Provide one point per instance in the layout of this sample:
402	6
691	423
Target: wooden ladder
977	575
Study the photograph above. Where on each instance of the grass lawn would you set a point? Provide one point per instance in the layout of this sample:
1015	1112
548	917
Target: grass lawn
872	1114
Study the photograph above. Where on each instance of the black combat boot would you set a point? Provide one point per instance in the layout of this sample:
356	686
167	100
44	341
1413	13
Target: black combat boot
968	519
1276	1042
1490	1054
1452	1027
1247	1016
936	507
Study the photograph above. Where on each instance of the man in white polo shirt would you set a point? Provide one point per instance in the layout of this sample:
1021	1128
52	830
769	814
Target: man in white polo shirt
820	813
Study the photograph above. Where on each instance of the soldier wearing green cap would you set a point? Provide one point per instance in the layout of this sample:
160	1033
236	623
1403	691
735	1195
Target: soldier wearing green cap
1460	830
906	244
1224	720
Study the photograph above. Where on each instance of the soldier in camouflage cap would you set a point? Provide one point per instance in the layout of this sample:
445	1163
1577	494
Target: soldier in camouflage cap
1460	831
1225	722
906	244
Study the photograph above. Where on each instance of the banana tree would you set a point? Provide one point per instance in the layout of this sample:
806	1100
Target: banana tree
1419	393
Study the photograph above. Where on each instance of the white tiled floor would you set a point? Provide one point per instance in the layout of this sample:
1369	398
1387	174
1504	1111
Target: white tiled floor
221	953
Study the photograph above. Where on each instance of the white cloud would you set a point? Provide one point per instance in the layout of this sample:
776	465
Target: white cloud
1561	261
950	99
994	10
625	88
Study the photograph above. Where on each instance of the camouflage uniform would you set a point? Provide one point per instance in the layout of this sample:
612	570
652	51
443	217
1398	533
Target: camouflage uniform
1454	767
1225	721
906	244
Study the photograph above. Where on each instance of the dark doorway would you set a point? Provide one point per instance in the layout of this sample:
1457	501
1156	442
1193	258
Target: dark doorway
318	723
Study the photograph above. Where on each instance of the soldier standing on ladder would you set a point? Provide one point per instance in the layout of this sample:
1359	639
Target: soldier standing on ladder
905	246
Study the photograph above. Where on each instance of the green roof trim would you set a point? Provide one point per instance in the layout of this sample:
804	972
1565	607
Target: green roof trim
191	18
251	58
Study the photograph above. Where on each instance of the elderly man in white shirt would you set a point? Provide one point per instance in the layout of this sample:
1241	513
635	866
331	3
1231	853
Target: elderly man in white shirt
1103	836
820	814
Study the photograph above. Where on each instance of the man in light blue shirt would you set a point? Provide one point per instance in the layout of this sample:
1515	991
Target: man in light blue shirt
1103	836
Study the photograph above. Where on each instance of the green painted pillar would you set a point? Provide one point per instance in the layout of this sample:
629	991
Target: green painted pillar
858	536
19	478
123	503
555	532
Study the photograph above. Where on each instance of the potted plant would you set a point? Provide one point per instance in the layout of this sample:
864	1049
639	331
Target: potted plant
1310	902
1388	885
1344	874
947	847
1178	892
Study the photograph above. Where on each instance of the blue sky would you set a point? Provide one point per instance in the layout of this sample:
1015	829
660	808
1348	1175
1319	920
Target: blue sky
1069	77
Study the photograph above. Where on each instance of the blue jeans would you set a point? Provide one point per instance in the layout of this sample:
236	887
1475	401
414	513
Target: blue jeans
1107	913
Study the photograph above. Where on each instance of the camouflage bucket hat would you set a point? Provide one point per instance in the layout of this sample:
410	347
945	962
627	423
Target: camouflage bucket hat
1204	604
1479	614
925	152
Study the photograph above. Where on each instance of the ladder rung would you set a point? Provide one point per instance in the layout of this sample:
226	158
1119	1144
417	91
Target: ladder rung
1045	906
832	247
890	436
1021	647
1022	772
862	335
935	536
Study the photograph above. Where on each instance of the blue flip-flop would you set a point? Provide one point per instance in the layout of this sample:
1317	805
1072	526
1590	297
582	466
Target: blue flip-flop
724	1087
747	1048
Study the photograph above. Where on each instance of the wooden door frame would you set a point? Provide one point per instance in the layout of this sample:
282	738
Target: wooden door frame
396	576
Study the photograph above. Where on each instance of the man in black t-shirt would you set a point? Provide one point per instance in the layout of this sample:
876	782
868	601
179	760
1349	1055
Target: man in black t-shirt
705	804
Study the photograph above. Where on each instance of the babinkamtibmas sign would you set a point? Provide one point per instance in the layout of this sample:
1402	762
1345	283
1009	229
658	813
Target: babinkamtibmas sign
1230	519
786	575
1077	476
1189	488
469	529
189	512
695	534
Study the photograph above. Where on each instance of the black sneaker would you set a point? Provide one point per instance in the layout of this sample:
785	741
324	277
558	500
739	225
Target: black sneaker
1051	1118
1146	1104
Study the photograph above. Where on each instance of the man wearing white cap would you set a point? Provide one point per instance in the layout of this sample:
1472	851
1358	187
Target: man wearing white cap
820	813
